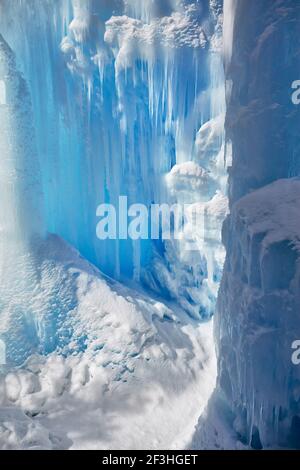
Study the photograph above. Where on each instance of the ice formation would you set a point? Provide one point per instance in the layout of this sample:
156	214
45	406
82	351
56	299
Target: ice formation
105	99
21	218
99	100
260	290
256	402
119	93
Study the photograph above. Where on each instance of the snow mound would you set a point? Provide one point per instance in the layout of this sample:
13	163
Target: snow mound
114	358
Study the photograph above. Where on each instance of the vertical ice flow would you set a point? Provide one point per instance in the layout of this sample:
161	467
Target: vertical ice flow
128	99
21	211
21	215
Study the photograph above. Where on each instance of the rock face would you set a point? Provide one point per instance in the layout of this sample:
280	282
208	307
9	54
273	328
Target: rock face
262	61
258	314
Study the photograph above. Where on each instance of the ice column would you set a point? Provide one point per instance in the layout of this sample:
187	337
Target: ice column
257	317
21	221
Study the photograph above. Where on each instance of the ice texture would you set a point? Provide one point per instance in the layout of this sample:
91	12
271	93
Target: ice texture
259	76
122	93
21	216
100	99
256	402
258	315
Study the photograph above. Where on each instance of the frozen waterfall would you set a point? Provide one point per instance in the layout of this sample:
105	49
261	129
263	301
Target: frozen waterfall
106	101
128	100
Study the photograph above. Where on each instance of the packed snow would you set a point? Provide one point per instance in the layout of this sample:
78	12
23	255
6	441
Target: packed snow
128	371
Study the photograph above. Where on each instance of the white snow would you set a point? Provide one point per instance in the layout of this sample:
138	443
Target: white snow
274	211
192	179
146	372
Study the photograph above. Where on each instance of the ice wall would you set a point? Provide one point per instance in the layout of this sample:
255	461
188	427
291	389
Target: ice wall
259	75
37	292
258	306
124	92
21	216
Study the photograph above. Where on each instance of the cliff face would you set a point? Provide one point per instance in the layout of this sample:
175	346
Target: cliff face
258	314
262	61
